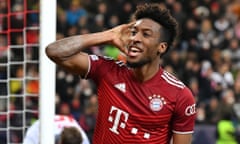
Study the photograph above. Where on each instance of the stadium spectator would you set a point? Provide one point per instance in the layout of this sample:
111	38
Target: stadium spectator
125	12
75	12
60	122
226	131
88	117
212	109
136	100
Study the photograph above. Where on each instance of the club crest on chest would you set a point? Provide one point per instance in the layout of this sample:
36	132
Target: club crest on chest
156	102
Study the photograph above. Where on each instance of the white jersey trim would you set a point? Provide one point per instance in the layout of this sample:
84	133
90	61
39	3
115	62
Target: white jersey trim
180	132
89	67
169	79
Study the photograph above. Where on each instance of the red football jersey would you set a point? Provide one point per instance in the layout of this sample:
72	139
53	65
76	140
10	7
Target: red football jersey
139	112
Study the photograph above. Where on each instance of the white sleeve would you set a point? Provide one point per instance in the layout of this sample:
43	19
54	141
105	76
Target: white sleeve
32	135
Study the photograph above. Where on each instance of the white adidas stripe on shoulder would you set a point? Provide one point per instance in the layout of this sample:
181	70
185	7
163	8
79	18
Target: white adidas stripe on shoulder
173	78
120	63
169	78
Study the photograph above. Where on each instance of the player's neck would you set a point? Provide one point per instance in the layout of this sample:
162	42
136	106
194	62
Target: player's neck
145	72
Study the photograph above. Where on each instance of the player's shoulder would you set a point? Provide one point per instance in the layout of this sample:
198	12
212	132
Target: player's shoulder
109	60
172	81
175	87
94	57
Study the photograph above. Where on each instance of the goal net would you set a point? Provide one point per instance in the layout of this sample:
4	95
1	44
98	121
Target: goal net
19	68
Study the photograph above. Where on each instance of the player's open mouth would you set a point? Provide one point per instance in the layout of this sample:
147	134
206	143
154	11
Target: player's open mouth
134	51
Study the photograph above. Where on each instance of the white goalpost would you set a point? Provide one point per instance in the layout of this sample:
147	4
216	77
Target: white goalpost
47	71
27	76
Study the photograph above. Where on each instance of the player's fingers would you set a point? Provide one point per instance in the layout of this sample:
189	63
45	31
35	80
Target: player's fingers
130	25
127	27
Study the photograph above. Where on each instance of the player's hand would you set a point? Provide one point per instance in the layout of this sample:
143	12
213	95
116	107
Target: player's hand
121	36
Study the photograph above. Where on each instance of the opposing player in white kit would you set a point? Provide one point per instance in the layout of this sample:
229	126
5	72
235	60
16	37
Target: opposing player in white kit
60	121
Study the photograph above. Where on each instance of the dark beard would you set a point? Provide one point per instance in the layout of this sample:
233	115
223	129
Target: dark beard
138	64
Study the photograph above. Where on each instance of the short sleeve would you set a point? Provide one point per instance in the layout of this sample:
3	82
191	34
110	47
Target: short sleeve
98	67
185	113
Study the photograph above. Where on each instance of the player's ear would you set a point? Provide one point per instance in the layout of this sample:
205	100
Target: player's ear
162	47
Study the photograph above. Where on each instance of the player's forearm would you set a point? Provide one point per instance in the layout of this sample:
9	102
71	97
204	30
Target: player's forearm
182	138
66	48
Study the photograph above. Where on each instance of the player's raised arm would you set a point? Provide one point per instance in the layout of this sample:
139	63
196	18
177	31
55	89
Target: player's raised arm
68	53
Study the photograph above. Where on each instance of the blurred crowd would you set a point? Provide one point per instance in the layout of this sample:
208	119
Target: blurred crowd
206	55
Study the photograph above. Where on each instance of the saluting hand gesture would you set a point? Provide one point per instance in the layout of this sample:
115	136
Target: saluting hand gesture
121	36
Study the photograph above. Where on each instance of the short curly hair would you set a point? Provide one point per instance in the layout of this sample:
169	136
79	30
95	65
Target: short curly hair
71	135
163	17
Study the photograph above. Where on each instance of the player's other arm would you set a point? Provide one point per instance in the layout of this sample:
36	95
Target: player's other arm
68	53
182	138
184	118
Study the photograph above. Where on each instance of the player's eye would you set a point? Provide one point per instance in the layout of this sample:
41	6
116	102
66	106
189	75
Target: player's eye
145	34
133	32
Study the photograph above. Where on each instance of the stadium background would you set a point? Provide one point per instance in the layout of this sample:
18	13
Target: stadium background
206	57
